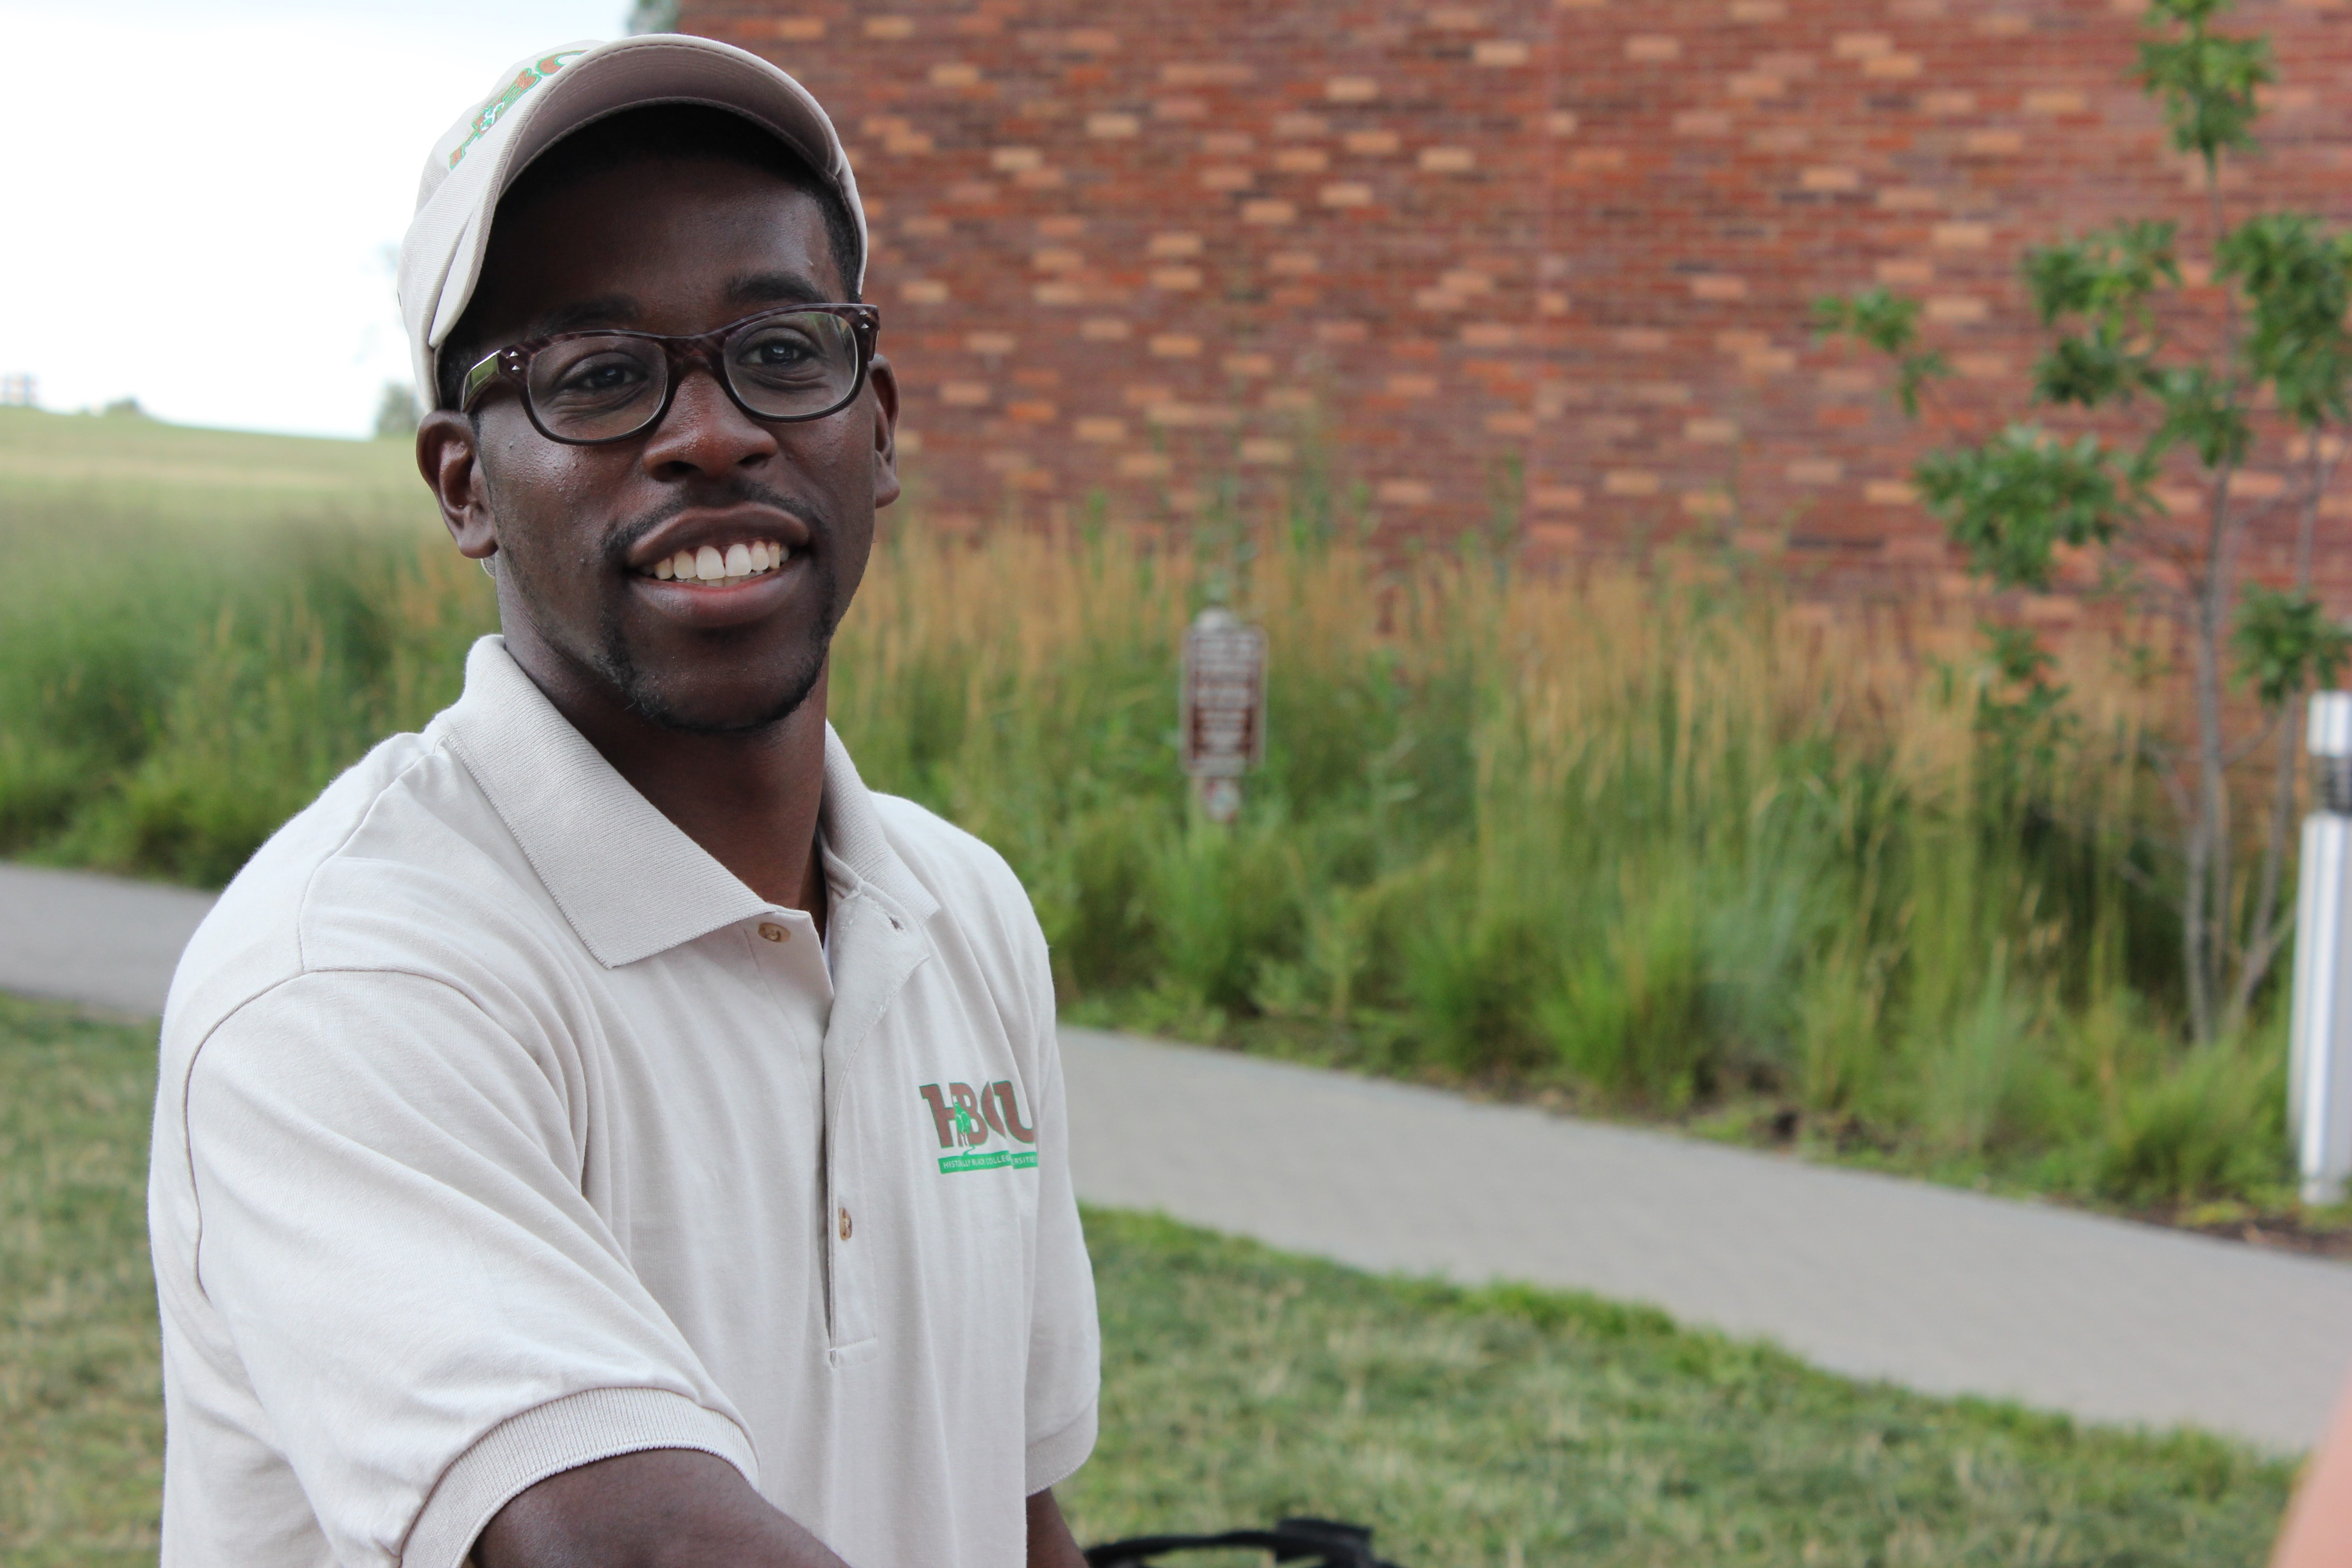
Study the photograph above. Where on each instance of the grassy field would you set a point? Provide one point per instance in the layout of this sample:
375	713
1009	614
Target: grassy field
1500	1429
1662	844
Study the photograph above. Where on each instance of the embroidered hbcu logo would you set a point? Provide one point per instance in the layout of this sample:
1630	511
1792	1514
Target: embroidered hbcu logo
966	1120
494	110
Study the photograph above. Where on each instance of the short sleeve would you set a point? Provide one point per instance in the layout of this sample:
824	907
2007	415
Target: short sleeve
1065	1335
392	1232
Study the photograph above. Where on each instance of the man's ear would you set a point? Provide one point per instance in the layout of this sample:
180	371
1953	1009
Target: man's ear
449	458
885	381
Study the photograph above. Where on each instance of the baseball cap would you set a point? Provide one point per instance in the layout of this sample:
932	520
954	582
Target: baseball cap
538	102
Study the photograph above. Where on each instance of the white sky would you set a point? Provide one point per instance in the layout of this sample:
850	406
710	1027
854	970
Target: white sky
198	196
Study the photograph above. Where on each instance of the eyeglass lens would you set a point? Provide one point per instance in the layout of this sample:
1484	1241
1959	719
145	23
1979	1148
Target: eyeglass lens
594	388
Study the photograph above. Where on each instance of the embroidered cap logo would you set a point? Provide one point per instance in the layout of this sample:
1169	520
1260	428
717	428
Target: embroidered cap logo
495	110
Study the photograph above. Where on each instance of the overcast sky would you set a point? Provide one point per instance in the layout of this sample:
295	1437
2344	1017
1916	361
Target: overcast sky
199	197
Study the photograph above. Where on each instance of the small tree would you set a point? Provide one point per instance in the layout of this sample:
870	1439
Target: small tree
395	411
2125	344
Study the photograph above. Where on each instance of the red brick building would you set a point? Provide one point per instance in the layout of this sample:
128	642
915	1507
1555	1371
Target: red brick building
1547	263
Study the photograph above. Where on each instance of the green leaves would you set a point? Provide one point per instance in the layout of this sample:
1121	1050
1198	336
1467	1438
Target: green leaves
2286	641
2297	282
2012	500
2205	80
2106	274
2107	278
1884	320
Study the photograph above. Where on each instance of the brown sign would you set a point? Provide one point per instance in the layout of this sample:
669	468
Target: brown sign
1224	696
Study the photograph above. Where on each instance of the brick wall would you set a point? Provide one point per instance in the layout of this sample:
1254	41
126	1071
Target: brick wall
1549	261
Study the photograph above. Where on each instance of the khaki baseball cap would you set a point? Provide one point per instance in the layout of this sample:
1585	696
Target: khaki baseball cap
541	100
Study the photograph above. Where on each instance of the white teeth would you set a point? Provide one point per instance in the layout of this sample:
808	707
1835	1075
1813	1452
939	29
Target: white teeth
709	564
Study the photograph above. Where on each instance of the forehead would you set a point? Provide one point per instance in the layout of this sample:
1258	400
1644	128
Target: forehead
655	243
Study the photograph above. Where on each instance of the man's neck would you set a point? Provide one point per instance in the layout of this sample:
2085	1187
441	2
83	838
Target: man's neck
750	798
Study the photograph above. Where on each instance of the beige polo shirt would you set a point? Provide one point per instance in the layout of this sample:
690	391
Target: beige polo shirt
500	1128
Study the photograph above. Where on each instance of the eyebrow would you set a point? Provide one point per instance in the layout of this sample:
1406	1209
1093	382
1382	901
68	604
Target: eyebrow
605	310
762	287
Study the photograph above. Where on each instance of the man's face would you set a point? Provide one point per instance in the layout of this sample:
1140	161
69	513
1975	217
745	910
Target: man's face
669	247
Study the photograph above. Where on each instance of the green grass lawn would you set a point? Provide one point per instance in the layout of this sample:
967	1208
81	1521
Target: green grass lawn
1240	1384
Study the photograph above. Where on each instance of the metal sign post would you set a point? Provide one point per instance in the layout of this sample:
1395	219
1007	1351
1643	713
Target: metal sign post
1222	709
2319	1046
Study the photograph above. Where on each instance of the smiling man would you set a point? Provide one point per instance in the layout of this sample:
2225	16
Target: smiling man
599	1130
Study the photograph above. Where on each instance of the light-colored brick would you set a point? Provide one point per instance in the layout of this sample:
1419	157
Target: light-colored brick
890	27
1269	212
1994	143
1501	52
1960	235
1112	127
2057	101
1351	89
1447	159
1653	49
1630	482
1346	194
1860	46
1104	330
1175	345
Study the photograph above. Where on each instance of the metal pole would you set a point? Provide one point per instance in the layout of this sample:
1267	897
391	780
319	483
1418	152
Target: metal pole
2319	1040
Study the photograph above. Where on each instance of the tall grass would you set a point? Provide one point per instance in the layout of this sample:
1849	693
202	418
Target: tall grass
1661	843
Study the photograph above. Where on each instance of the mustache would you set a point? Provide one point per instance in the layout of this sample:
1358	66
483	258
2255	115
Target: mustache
732	493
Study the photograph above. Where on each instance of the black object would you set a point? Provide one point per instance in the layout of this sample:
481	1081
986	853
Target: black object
1322	1542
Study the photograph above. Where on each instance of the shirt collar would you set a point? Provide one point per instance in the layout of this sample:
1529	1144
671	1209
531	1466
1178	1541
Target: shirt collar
629	881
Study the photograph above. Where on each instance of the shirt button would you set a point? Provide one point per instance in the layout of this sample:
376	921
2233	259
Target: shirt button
772	931
844	1224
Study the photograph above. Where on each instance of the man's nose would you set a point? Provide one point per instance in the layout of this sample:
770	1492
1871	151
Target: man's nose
705	431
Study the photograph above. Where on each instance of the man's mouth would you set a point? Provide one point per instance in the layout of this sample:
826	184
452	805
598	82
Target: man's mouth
719	565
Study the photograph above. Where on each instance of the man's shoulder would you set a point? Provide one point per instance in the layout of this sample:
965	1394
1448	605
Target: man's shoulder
400	864
961	870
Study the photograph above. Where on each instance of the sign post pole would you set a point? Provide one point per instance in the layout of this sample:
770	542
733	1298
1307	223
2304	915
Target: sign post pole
1222	705
2319	1042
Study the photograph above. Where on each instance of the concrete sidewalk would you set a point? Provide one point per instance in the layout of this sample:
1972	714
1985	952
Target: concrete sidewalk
1942	1290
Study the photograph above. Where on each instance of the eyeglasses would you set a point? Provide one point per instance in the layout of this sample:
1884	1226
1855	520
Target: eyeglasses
585	389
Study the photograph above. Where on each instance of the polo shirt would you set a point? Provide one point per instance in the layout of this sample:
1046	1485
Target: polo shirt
500	1128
